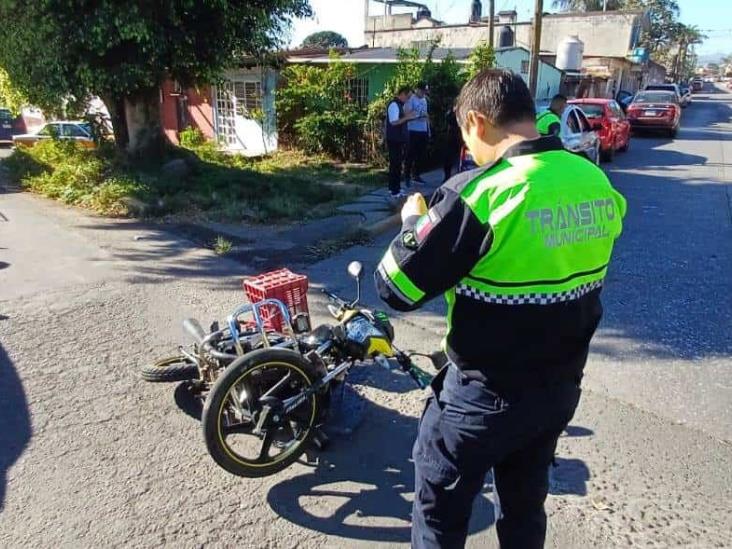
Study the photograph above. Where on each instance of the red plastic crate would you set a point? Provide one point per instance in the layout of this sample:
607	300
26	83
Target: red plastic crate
283	284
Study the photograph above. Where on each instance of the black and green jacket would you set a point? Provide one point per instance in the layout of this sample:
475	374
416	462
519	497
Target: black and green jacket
520	249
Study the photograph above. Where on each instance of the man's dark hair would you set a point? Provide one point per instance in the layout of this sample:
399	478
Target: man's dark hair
500	95
421	86
559	98
403	89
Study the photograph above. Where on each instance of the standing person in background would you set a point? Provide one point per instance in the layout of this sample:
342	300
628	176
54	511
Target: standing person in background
419	133
396	138
550	122
453	144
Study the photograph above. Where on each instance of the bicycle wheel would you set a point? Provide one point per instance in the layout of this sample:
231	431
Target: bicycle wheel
245	427
175	368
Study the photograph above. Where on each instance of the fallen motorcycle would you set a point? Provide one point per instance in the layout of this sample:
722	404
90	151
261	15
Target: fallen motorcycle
267	393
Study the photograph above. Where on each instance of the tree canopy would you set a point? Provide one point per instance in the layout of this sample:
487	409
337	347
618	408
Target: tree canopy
325	39
122	50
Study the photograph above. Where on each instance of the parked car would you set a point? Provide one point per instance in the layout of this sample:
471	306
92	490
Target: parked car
670	87
658	110
577	134
608	119
74	130
6	126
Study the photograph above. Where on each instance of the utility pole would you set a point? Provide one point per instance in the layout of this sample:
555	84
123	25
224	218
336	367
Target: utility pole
535	47
491	26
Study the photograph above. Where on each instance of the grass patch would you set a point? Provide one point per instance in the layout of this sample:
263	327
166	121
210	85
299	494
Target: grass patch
222	246
285	186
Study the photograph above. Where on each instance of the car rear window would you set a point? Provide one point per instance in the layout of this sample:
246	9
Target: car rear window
655	97
669	87
5	114
592	110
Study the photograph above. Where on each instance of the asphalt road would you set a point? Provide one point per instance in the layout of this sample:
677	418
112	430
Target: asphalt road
91	456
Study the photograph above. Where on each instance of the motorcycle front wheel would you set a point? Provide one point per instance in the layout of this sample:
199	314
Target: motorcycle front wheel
244	424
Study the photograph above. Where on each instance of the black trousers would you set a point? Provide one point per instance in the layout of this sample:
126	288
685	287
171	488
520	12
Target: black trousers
416	151
467	429
396	159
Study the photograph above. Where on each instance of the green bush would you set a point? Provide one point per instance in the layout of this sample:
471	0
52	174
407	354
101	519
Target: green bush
190	138
74	175
334	133
316	111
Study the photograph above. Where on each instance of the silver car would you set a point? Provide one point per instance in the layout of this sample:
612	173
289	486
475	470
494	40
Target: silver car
577	134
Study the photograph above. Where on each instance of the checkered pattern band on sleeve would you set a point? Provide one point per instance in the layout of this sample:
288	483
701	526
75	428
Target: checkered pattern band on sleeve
529	298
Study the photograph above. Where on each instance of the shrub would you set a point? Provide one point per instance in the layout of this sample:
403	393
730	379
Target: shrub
74	175
190	138
316	111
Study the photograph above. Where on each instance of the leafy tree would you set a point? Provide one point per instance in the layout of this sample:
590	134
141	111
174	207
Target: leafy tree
482	57
325	39
123	50
10	97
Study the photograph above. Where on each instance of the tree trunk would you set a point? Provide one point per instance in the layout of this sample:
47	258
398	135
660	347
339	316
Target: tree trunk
142	115
116	108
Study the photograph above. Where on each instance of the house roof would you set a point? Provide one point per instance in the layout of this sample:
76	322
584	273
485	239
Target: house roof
391	55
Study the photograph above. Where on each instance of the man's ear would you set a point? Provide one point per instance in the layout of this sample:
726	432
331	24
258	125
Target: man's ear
476	123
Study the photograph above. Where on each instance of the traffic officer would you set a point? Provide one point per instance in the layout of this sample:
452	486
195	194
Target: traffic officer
520	247
549	122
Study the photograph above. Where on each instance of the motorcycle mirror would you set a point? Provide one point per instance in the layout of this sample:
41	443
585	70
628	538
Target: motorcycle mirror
355	269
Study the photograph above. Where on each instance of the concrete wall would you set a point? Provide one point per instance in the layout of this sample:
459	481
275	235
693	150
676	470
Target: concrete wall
455	36
604	35
517	60
199	111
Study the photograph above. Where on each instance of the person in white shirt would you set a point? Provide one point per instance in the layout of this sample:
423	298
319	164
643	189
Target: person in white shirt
419	134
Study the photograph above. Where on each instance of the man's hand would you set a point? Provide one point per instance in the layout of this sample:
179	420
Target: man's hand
415	205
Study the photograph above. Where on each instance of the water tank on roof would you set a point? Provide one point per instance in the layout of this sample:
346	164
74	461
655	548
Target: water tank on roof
505	37
569	54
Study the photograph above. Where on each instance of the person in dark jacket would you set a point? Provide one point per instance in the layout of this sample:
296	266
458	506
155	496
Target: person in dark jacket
397	137
453	144
520	249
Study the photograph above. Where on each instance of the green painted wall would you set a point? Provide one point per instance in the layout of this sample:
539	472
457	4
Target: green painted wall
379	74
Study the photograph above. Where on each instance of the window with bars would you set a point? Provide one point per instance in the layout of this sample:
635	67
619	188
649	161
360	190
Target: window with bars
358	91
248	97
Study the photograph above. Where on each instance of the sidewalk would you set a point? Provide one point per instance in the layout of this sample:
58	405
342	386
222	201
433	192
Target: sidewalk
272	246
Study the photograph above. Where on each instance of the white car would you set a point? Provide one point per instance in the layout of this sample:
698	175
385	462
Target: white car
577	134
78	131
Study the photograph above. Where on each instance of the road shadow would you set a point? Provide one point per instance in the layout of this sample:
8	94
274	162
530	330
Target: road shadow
15	423
362	486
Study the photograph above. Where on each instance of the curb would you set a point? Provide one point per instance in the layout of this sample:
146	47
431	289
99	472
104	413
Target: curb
393	221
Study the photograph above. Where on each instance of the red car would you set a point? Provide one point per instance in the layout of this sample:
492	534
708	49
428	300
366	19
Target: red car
655	110
607	118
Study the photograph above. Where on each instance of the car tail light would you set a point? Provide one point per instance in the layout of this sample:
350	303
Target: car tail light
633	112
